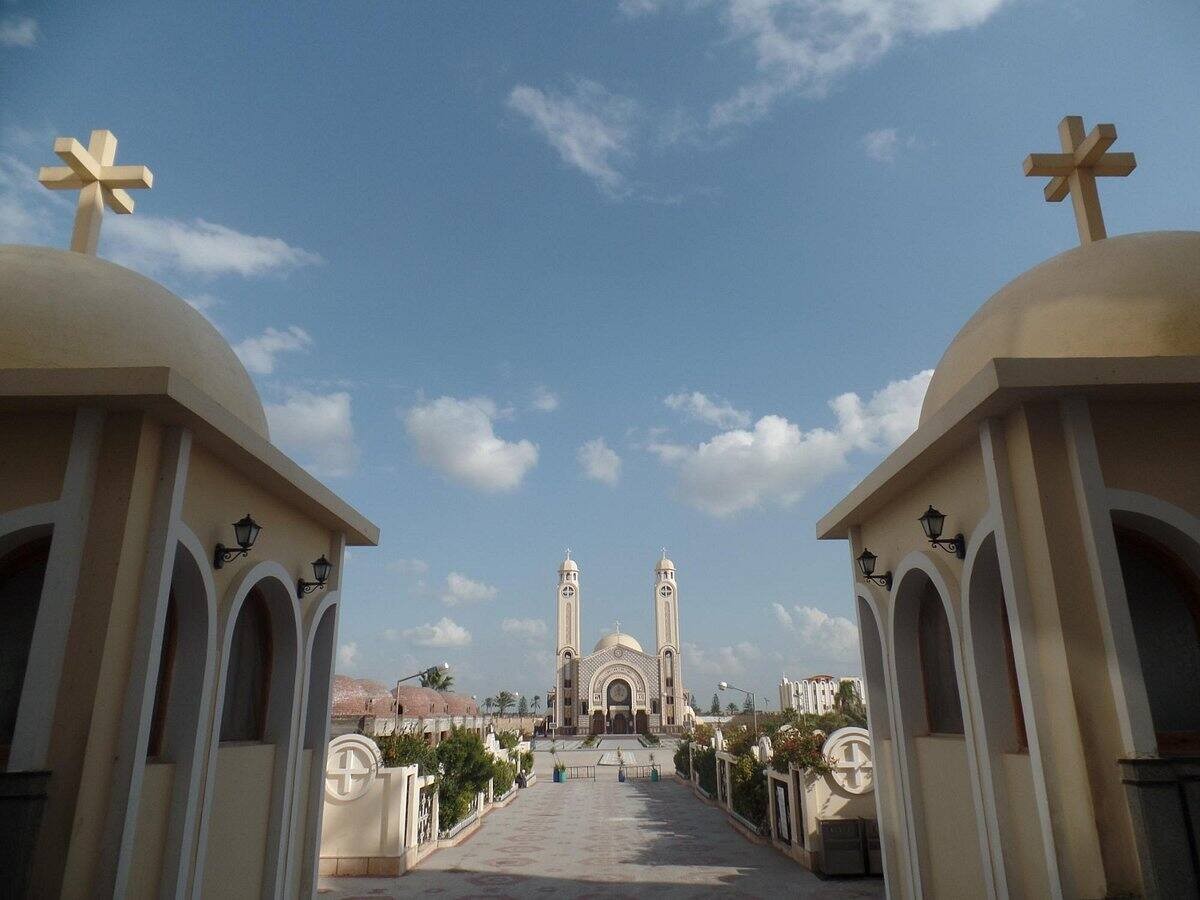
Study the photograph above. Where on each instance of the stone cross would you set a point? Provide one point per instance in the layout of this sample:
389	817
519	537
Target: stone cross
1074	172
92	173
854	770
618	626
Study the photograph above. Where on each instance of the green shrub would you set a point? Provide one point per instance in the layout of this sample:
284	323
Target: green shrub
527	761
748	790
466	770
705	761
800	749
683	761
508	740
503	776
405	750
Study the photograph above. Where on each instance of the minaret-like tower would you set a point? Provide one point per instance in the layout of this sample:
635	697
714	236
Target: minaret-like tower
567	655
666	624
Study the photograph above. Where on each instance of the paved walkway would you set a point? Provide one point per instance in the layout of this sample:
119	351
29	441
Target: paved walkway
605	839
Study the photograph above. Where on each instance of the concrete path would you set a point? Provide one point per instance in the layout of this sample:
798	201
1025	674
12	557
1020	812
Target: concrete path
605	839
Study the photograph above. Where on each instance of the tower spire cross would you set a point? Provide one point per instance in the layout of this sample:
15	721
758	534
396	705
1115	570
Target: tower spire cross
1074	172
91	171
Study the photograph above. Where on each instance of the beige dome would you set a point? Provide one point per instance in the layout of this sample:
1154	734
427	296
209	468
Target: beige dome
65	310
665	565
617	640
568	566
1135	295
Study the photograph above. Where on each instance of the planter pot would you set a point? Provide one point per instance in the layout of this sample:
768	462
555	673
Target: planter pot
621	775
557	776
562	776
654	774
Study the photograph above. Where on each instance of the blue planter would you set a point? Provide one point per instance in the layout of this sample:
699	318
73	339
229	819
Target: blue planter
621	775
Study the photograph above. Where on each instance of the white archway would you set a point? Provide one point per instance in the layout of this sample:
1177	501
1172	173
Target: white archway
281	725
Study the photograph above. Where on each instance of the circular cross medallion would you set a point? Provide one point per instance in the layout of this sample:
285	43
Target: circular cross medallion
849	752
352	765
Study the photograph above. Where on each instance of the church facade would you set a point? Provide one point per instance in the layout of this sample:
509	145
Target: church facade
618	688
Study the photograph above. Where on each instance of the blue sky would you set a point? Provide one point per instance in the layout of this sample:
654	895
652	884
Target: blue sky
517	277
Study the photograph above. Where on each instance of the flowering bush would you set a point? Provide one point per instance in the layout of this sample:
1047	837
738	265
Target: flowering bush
801	749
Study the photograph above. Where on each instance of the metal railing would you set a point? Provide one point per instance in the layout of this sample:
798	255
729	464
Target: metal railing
586	772
471	815
425	824
638	773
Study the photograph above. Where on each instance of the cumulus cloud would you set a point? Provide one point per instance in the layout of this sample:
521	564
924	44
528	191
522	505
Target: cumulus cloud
544	400
443	633
157	245
317	429
776	462
462	590
457	438
836	636
18	32
347	653
526	629
258	353
591	129
884	144
409	566
696	405
600	462
726	661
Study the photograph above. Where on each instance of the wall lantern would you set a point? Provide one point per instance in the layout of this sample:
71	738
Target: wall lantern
245	532
321	569
932	523
866	565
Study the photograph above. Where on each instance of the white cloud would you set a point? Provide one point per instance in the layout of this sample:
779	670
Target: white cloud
409	566
880	144
443	633
19	32
347	653
258	353
802	46
591	129
317	428
723	661
699	406
154	245
836	636
600	462
460	590
456	437
545	400
777	462
526	629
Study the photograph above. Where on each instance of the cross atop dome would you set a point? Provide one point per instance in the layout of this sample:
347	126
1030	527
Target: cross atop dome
92	173
568	553
1074	172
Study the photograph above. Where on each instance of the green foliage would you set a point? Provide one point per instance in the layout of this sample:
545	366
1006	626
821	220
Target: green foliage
748	790
714	708
505	700
508	739
705	761
731	709
683	764
526	762
850	704
523	707
590	740
503	776
438	679
651	740
467	768
405	750
802	749
738	740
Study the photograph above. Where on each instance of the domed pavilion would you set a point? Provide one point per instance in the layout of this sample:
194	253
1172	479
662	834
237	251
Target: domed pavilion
1027	574
170	583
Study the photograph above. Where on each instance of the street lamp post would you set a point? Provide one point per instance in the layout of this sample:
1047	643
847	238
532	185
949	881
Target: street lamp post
726	686
396	704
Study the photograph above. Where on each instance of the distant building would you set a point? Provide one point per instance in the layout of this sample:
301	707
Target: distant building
815	694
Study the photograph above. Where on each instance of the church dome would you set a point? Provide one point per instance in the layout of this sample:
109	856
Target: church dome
568	566
665	565
66	310
617	640
1134	295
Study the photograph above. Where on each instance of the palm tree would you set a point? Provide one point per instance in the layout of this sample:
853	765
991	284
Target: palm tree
536	703
438	679
849	704
731	709
505	701
489	703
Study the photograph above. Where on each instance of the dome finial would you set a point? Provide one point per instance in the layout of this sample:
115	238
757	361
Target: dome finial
99	182
1074	172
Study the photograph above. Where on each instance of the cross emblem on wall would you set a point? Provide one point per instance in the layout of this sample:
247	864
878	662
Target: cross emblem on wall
1074	172
852	768
348	775
99	182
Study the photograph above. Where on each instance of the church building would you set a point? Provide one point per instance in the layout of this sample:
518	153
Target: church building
618	688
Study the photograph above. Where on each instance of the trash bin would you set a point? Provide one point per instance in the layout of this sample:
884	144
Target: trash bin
842	851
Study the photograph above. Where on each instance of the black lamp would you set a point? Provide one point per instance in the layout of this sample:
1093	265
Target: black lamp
321	569
866	565
245	532
932	523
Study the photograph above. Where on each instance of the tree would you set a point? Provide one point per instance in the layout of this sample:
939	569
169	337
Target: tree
489	703
731	709
523	707
537	703
505	701
850	704
438	679
747	706
715	708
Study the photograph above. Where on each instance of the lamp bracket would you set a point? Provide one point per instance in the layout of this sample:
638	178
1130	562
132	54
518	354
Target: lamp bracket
956	545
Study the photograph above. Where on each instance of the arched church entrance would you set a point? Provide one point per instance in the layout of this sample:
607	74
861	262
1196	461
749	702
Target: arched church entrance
620	723
620	707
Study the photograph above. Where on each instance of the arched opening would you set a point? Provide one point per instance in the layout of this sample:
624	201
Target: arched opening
880	720
937	779
1164	606
248	678
22	571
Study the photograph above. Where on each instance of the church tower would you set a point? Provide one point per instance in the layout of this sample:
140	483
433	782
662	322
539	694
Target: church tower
666	624
567	651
